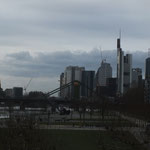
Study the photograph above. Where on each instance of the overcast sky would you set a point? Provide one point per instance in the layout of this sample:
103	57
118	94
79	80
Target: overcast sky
38	38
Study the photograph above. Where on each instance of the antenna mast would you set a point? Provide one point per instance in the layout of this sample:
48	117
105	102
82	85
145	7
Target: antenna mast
101	53
148	52
120	34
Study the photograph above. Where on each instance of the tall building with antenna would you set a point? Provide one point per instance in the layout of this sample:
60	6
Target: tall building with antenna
120	67
124	69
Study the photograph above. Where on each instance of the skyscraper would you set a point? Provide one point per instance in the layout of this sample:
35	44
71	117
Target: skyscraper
120	68
147	81
127	79
136	77
124	70
104	72
87	86
147	68
72	73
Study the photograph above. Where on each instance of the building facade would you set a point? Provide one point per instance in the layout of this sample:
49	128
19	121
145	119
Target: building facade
147	81
112	86
120	68
62	82
147	68
136	77
17	92
127	78
104	72
9	93
124	70
87	83
71	73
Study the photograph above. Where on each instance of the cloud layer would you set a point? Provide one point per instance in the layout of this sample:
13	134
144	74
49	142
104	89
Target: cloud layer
39	38
52	25
17	68
23	64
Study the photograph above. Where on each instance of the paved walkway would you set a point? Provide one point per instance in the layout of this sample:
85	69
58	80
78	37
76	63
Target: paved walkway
139	132
69	127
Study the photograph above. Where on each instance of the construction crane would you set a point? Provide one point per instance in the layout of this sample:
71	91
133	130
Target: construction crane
25	88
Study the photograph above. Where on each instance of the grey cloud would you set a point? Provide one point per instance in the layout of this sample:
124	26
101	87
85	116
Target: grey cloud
36	22
48	25
23	64
22	56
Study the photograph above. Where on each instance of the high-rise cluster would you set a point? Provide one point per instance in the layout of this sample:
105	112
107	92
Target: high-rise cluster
103	82
75	73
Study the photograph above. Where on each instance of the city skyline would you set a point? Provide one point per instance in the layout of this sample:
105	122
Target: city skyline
32	32
74	74
45	68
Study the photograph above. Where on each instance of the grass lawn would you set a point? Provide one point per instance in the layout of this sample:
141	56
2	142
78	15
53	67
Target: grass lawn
23	139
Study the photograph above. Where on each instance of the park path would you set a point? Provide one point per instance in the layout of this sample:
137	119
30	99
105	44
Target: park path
70	127
136	121
139	132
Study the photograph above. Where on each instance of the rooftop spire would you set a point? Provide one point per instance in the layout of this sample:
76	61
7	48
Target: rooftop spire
119	40
120	34
118	43
148	52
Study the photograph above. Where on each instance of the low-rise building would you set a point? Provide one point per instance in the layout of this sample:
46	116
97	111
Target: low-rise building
136	77
9	93
17	92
